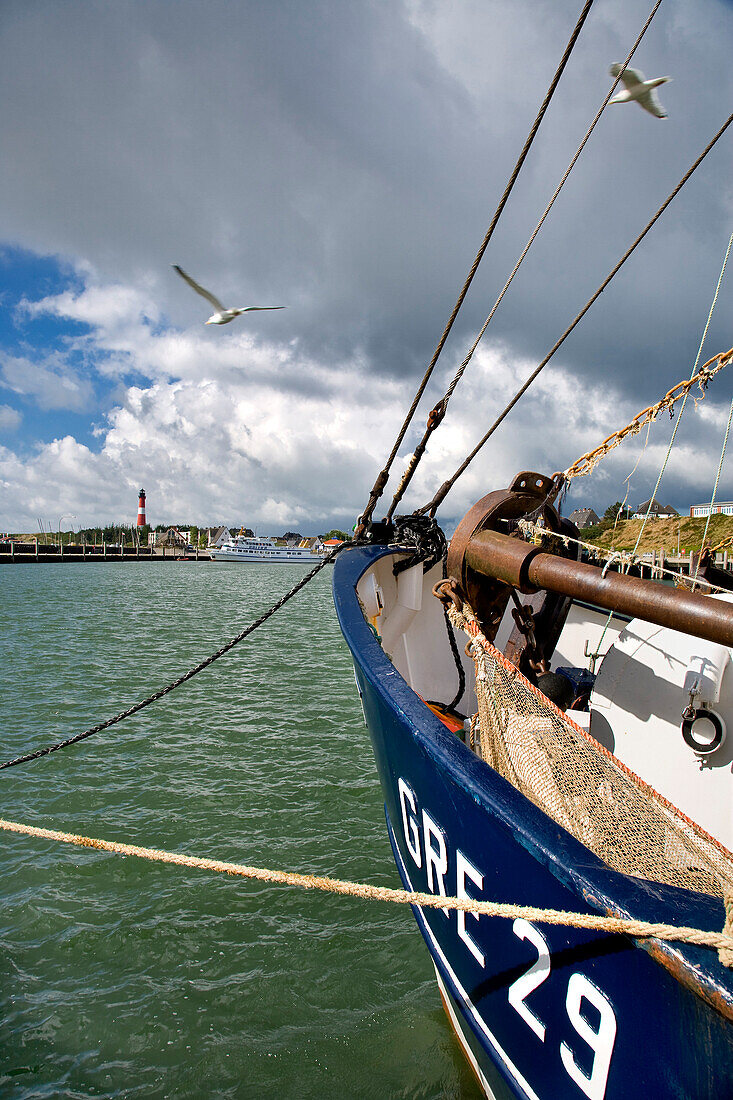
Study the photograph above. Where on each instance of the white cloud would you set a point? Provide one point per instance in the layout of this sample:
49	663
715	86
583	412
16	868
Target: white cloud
264	437
104	307
50	381
560	419
345	160
9	418
233	429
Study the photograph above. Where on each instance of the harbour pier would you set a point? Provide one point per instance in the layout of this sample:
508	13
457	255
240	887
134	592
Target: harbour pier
13	552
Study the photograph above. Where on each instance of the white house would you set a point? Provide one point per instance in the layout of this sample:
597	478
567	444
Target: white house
217	536
657	511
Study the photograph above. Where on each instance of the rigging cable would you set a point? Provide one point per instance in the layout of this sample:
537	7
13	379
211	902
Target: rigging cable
623	508
715	490
431	507
438	412
684	401
625	569
588	462
383	477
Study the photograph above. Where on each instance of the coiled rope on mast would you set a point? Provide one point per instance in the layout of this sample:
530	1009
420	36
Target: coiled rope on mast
383	477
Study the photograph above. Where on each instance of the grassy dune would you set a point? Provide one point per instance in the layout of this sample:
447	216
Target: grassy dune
660	533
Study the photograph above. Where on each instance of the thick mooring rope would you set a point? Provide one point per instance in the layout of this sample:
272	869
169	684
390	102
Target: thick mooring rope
187	675
614	925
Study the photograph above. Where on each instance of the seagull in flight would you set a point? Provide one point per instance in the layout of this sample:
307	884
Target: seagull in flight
639	89
222	316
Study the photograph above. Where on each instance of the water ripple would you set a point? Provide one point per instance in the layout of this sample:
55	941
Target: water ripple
120	978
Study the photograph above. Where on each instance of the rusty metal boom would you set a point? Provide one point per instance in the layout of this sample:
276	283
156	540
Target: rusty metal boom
530	569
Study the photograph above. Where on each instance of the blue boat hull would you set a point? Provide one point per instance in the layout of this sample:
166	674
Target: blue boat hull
542	1011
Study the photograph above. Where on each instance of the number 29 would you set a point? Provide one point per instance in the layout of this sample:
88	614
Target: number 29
601	1039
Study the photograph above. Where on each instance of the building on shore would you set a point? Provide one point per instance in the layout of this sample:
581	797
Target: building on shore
170	537
309	542
720	508
216	537
656	511
584	517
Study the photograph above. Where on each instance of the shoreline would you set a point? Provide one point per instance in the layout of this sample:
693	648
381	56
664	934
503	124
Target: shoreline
38	556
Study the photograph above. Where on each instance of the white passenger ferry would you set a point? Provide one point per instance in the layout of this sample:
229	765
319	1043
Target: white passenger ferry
246	548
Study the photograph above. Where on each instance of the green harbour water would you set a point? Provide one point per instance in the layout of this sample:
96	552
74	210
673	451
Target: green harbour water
124	978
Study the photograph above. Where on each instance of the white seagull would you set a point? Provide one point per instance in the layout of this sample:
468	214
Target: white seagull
222	316
639	89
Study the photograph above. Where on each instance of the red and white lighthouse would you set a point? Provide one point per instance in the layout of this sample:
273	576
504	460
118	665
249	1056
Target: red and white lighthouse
141	521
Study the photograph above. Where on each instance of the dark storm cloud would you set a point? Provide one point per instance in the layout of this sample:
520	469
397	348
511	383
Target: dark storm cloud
296	150
344	158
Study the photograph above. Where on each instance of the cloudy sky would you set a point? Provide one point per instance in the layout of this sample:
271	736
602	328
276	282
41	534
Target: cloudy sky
344	158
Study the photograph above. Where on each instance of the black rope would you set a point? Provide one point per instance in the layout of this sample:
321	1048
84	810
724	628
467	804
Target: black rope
383	477
457	660
425	538
432	506
453	646
188	675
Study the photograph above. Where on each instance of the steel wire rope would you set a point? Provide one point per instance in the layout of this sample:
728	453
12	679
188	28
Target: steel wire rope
438	412
383	476
628	483
684	400
669	448
432	506
715	493
187	675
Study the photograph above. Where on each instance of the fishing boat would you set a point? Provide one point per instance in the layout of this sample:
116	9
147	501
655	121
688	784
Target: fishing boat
245	548
552	740
513	773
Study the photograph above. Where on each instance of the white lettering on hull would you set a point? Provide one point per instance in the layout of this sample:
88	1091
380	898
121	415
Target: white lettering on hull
466	870
428	845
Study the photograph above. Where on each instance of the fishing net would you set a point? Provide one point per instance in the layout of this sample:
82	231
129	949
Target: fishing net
582	786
